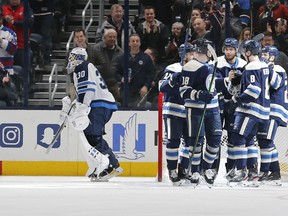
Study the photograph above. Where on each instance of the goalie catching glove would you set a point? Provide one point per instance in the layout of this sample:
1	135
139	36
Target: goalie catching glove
79	118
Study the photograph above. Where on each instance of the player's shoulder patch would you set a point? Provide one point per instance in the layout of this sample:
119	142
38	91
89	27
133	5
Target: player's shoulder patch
241	62
222	62
279	69
176	67
193	65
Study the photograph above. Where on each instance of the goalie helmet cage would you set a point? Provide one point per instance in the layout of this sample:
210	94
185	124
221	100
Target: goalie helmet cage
162	175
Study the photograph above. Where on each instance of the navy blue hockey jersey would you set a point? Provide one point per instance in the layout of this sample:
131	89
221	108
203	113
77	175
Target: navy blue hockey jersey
173	103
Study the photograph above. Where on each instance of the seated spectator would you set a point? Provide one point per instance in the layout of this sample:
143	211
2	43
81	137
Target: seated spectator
115	21
153	33
142	74
8	96
13	14
175	40
8	46
105	56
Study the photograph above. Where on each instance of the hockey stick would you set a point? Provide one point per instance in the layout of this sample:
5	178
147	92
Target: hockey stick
60	129
187	33
215	60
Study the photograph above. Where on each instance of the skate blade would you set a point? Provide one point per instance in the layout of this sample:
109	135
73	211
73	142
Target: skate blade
272	183
254	183
114	173
98	180
179	183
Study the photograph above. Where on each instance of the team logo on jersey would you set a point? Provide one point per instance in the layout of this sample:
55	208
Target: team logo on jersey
140	62
208	82
129	140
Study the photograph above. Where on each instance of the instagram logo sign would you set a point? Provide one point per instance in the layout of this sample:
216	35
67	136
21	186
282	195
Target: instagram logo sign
11	135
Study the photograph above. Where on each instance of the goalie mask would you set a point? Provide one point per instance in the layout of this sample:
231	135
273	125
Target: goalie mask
76	57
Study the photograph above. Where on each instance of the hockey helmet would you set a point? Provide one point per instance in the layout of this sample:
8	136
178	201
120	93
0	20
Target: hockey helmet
253	46
201	45
273	51
230	42
76	57
189	48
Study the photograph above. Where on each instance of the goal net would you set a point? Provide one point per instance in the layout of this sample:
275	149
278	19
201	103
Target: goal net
281	142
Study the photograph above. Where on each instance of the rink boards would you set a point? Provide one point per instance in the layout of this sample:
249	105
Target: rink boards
131	134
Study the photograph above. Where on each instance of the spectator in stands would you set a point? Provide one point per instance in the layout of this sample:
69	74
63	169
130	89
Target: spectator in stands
153	33
281	35
115	21
282	59
8	97
214	23
159	71
199	28
245	34
269	13
182	9
176	38
8	47
13	14
80	39
43	21
142	73
163	10
105	56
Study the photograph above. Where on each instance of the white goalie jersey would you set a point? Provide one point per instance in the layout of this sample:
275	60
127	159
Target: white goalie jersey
91	88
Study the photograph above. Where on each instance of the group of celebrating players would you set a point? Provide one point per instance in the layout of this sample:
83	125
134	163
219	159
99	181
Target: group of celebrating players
243	92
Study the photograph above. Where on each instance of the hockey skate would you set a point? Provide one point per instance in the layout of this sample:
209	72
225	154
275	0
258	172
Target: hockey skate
263	176
239	177
174	178
195	178
274	178
109	173
209	176
252	179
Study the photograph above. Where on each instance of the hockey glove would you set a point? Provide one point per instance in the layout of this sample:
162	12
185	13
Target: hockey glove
204	96
233	104
66	104
176	79
79	118
236	81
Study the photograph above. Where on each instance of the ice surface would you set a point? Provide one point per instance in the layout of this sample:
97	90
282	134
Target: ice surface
125	196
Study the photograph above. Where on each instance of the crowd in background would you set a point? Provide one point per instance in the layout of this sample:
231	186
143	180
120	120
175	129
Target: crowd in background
162	26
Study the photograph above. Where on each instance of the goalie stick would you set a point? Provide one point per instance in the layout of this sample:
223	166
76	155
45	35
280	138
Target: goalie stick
215	61
60	129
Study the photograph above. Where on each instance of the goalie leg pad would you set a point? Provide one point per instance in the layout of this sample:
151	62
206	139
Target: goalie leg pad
97	161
